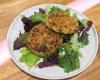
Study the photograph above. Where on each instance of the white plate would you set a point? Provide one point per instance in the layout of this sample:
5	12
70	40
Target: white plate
55	72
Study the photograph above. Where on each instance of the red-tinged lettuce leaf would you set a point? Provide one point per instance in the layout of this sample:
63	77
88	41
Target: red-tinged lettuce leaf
89	24
66	37
28	24
85	27
49	61
82	33
81	26
20	41
41	10
81	29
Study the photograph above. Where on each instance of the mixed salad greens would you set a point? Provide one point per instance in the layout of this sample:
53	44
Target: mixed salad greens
69	54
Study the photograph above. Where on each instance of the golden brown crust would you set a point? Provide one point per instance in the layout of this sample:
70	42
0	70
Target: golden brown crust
62	22
43	41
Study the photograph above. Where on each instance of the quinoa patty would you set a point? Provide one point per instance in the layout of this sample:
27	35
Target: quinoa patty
43	41
61	22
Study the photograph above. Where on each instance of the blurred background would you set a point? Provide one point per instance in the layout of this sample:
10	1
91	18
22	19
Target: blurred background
9	9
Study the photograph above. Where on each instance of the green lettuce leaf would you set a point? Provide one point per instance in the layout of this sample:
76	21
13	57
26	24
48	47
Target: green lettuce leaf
48	7
38	17
28	57
70	61
54	9
76	16
84	21
67	11
84	39
69	54
75	44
